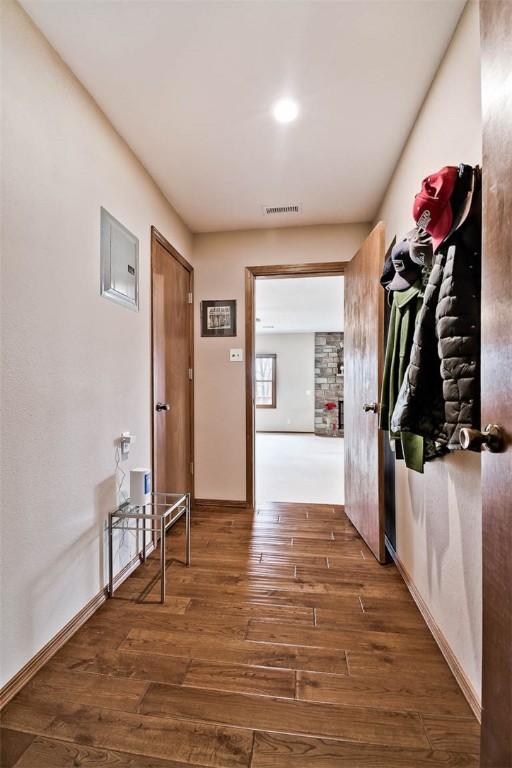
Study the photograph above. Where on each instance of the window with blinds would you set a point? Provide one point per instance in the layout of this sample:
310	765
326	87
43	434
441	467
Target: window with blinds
265	381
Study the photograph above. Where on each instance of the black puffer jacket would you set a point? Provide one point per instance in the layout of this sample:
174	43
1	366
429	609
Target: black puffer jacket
440	393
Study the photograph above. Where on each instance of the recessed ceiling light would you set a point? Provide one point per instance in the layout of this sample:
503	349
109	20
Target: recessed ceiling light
285	110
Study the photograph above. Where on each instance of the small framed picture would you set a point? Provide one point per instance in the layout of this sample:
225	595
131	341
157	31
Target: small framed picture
218	318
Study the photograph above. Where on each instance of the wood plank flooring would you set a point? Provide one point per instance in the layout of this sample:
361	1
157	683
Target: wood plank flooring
284	645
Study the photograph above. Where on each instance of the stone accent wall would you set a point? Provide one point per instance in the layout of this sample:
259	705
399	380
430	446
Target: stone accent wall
329	371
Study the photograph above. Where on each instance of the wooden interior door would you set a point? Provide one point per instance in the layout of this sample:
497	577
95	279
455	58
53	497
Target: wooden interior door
496	33
172	368
364	445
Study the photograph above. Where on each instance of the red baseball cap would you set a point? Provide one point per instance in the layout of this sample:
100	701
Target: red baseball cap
432	210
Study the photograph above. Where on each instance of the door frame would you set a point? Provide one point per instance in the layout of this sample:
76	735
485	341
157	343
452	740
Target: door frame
158	238
272	271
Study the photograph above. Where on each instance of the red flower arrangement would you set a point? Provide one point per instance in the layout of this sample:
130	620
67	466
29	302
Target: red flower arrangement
330	406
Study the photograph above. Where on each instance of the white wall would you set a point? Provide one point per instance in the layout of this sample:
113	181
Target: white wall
295	380
75	367
438	516
219	264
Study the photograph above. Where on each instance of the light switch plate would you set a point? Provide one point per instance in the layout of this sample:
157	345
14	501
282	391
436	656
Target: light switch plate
236	355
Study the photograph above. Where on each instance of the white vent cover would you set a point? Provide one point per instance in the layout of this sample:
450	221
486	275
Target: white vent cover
272	210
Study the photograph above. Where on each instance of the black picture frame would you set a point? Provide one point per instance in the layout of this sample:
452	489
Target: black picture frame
218	317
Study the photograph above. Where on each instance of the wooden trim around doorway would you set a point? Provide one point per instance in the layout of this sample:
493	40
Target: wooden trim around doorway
157	237
322	269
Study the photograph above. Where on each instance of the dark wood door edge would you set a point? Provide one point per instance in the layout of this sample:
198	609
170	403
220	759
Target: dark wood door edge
496	400
334	268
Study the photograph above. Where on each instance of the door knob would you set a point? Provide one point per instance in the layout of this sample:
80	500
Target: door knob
371	407
491	439
162	407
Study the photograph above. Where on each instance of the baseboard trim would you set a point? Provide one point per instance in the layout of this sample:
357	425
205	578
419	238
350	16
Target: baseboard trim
27	672
232	504
460	676
284	432
298	505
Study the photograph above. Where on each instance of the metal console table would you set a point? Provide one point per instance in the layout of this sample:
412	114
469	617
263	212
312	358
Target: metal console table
161	513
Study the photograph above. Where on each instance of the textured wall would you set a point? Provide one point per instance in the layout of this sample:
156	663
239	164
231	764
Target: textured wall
329	379
438	514
294	411
75	367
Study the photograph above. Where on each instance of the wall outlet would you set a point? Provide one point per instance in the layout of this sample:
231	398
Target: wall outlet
126	441
236	355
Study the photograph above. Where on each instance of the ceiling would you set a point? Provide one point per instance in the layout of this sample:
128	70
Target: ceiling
299	305
190	85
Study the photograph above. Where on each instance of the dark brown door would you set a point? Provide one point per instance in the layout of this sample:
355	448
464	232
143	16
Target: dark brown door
172	368
364	333
496	32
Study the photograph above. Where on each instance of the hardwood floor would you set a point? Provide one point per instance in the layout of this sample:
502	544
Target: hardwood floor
285	645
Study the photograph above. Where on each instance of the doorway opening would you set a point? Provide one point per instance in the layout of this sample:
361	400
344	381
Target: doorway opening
298	390
297	375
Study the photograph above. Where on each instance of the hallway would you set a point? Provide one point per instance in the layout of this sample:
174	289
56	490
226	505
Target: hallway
284	646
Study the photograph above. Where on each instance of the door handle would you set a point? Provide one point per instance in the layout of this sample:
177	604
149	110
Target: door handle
371	407
162	407
491	439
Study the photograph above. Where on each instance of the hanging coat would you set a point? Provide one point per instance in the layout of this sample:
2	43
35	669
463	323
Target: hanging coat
440	393
404	311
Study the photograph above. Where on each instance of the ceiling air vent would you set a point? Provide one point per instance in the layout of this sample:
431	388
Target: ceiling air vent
272	210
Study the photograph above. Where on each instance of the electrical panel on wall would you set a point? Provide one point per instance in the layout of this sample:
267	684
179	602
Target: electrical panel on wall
119	262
